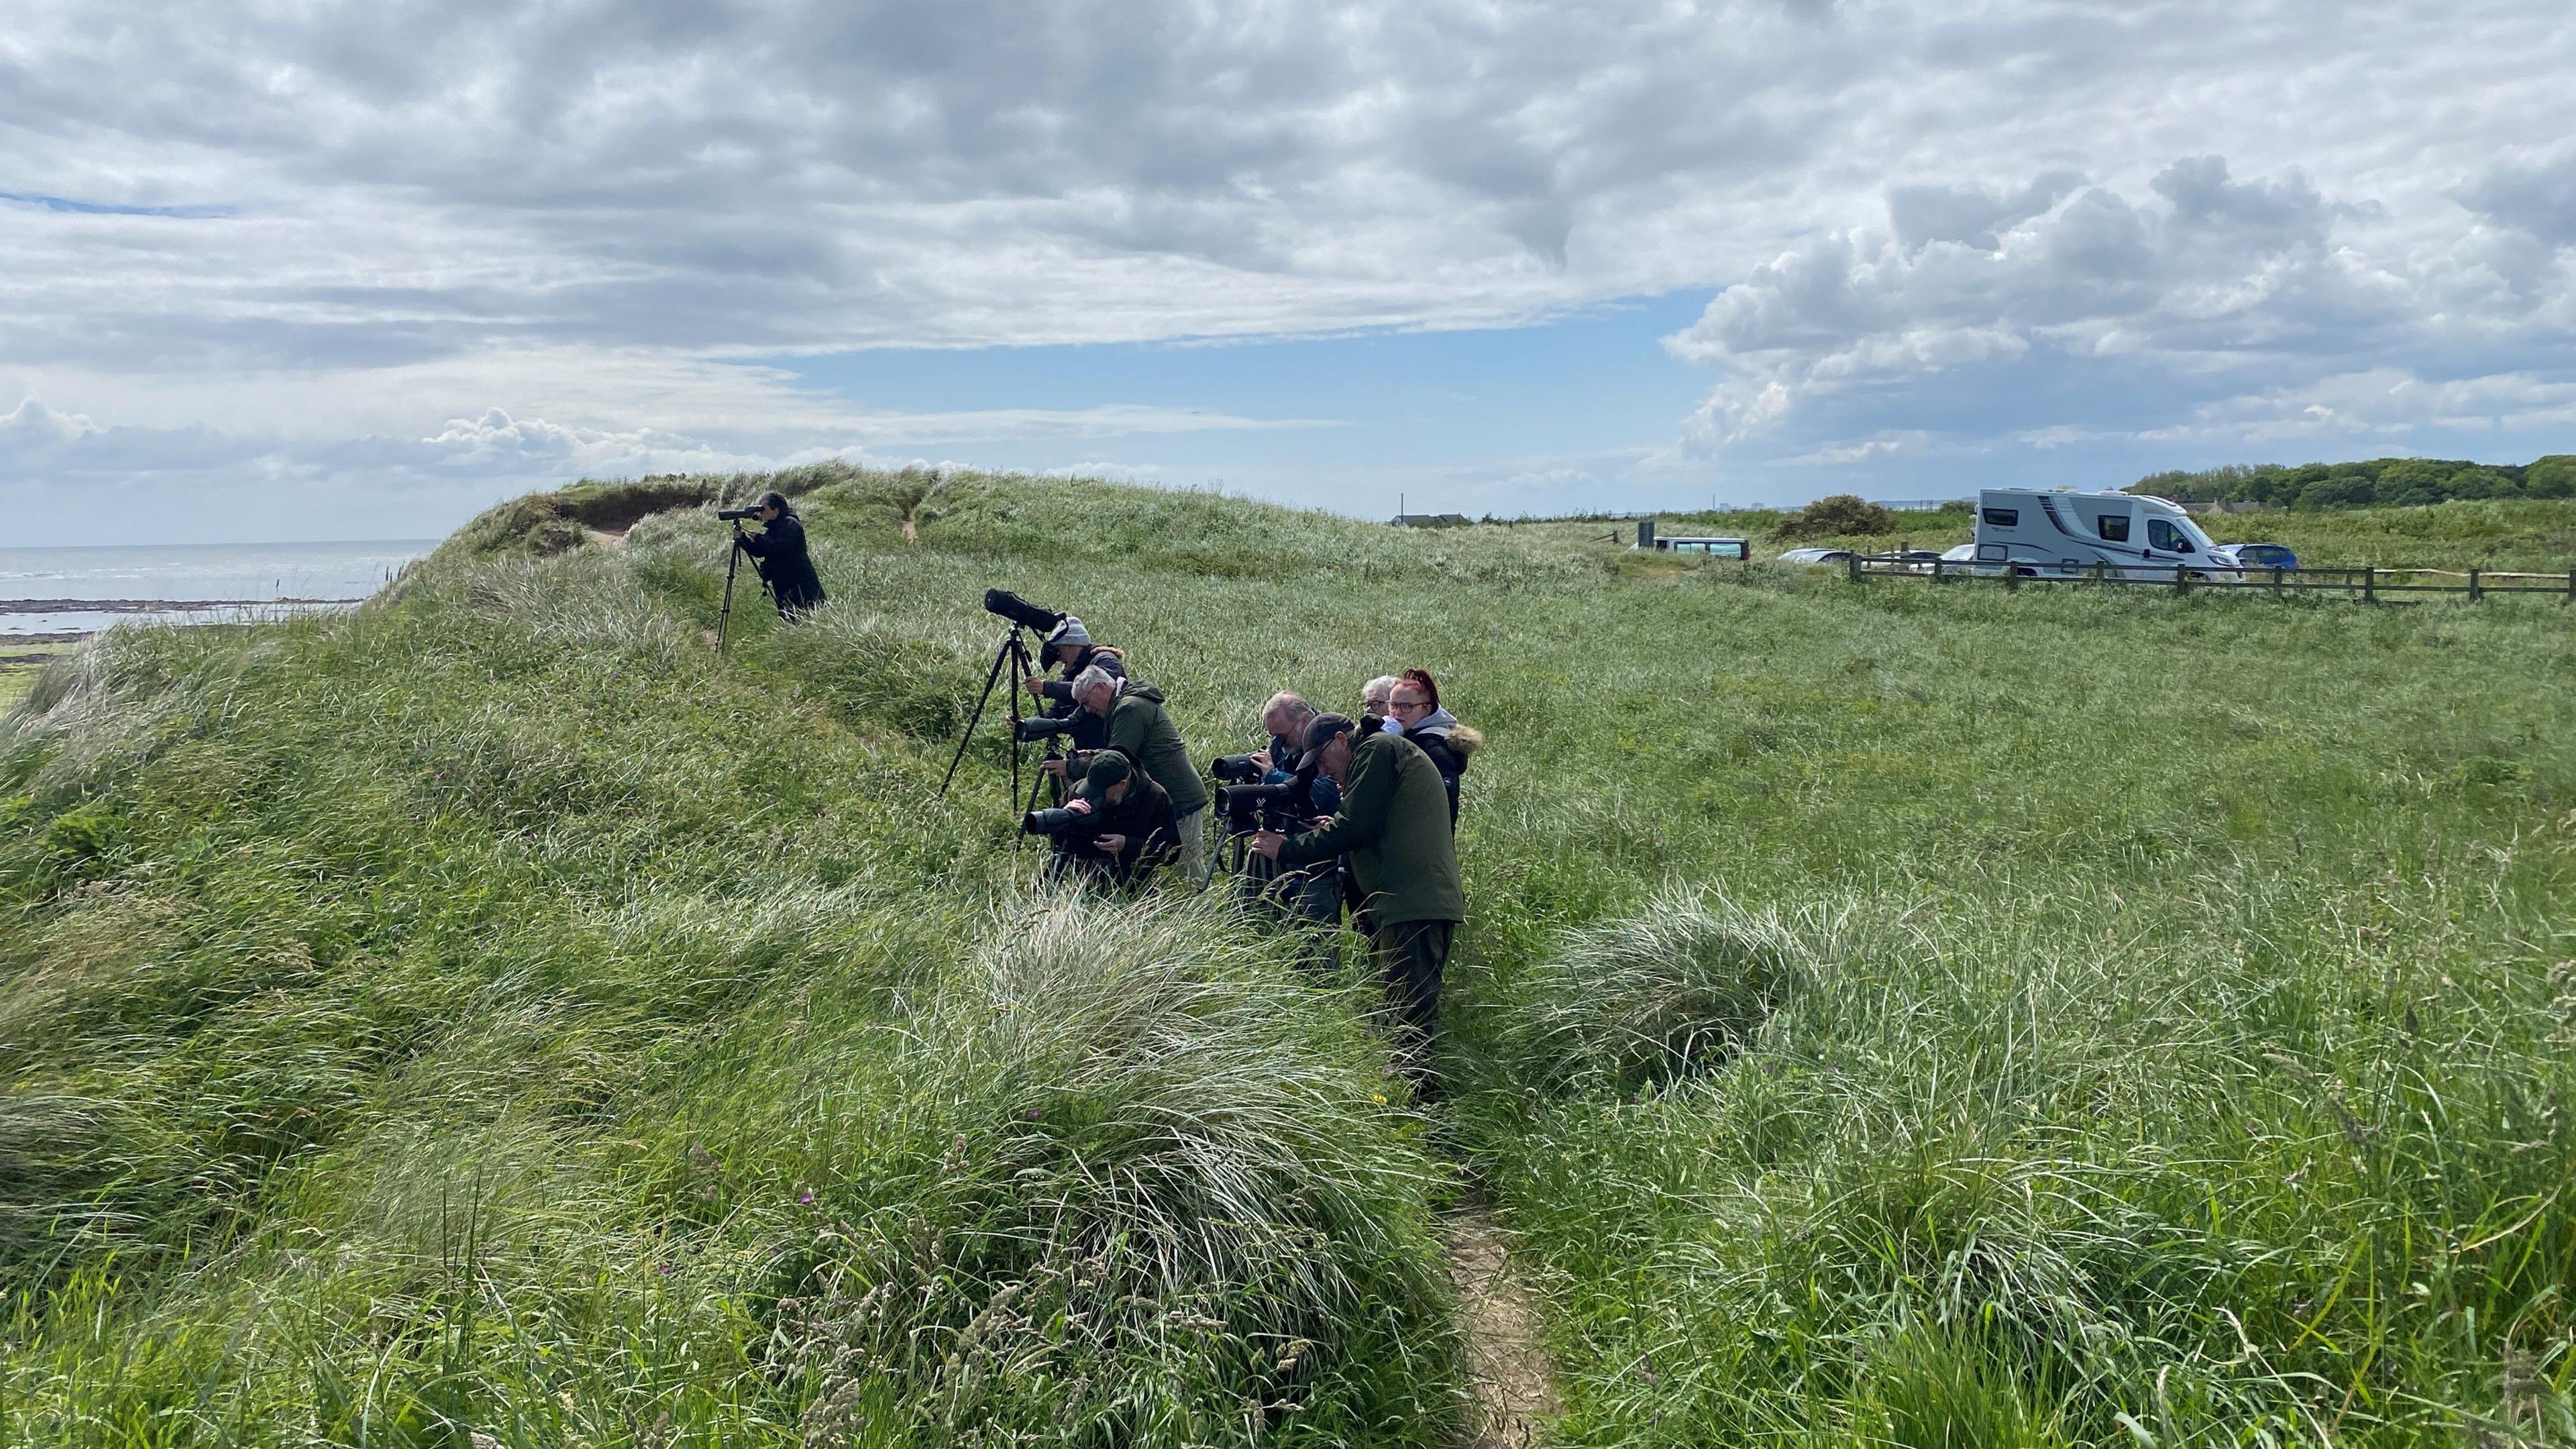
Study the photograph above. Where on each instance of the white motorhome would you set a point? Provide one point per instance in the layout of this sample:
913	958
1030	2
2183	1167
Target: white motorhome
2059	532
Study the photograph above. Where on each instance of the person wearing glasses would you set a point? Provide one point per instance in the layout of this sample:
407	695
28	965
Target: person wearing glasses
1413	710
1375	696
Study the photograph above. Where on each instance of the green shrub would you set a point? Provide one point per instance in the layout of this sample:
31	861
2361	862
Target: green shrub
1840	515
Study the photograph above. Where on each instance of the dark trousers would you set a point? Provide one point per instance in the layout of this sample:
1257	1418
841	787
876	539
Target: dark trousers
1413	954
1309	906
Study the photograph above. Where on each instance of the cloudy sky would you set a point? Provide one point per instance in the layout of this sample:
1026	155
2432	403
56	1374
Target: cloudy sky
352	271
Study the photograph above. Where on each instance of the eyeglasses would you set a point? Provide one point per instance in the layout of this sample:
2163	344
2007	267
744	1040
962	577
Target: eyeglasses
1410	706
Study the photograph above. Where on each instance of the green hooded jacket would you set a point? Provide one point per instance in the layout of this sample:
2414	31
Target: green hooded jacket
1394	825
1139	725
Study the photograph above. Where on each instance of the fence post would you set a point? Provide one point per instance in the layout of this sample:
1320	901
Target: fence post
1852	561
2182	579
1937	576
2276	581
2370	583
2474	593
2571	589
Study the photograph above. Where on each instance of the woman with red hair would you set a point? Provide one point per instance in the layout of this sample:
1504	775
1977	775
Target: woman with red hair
1414	709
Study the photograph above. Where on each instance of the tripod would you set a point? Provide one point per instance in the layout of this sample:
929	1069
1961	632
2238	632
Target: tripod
724	616
1014	652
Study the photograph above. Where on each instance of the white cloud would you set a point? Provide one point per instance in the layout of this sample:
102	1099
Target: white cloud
1861	450
2205	303
32	425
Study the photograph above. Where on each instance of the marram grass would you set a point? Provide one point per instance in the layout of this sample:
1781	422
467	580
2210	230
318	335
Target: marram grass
1889	1015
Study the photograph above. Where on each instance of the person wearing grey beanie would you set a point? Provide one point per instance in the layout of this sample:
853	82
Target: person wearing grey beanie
1070	648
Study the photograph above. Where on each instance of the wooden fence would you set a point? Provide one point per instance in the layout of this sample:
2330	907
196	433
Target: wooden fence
2366	582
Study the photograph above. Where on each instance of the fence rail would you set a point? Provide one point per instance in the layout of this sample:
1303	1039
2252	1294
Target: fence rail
2367	582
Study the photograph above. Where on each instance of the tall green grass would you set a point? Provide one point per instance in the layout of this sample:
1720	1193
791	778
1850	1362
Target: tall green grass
1887	1014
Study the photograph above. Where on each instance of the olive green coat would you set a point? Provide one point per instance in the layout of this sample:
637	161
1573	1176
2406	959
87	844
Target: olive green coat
1394	825
1139	725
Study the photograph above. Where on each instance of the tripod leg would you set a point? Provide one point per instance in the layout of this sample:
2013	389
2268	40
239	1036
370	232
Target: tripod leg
1015	718
724	616
992	676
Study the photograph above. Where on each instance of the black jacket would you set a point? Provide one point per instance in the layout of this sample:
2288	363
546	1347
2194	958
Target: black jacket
1145	817
1450	761
784	564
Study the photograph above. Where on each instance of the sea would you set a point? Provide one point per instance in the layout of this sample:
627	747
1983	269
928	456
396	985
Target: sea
55	593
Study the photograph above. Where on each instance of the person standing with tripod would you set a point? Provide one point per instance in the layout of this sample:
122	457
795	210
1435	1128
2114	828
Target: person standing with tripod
778	552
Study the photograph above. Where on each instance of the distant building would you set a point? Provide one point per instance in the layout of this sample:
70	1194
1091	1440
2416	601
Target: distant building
1432	520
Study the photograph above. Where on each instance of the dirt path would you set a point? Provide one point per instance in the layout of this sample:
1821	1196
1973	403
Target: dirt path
1507	1368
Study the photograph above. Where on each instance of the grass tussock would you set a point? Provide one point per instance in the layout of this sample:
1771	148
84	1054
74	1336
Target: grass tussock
1131	1195
1673	988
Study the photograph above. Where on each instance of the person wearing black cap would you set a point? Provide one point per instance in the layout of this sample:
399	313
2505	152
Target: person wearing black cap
778	552
1131	832
1141	729
1394	825
1070	649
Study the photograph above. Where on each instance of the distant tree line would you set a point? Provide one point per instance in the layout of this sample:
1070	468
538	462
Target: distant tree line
2379	482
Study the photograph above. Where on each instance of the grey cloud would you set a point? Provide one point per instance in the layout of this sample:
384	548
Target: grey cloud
2537	197
2200	191
1972	214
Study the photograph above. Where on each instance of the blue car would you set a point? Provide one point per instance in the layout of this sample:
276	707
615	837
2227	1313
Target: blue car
2252	556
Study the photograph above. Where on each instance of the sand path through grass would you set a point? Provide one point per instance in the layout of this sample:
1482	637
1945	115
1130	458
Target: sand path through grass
1509	1376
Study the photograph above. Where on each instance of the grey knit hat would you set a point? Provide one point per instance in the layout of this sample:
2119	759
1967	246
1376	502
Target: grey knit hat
1069	632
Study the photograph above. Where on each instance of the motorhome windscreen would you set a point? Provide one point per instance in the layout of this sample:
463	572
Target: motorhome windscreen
2161	534
2004	517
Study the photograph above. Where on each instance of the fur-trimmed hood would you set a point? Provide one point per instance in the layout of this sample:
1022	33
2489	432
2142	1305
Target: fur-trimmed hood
1464	740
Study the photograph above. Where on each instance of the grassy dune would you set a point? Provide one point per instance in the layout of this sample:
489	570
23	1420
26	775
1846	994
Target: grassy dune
1887	1015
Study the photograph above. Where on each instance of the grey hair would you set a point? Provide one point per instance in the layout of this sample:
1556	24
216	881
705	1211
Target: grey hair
1298	709
1383	684
1094	675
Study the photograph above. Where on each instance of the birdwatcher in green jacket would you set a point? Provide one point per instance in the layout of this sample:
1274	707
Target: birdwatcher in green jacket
1394	826
1141	729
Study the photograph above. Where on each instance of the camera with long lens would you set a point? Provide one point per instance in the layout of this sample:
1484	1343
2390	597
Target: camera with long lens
1020	611
1065	826
737	515
1045	727
1236	769
1248	808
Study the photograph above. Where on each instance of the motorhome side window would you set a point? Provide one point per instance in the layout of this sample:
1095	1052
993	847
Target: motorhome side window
2004	517
2113	526
2161	534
